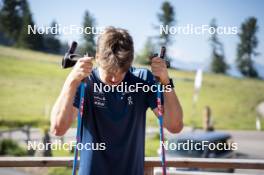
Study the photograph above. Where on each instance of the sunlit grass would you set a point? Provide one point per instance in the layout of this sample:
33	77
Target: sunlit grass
31	81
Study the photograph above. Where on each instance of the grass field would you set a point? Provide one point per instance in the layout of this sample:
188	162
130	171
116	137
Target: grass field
31	81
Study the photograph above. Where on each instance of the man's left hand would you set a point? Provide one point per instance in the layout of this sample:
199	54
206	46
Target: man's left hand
159	69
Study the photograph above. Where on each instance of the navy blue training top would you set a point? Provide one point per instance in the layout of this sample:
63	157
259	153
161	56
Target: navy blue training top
113	126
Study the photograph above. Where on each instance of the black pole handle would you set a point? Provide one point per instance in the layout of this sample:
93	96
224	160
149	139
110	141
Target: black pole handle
162	52
73	47
162	55
67	60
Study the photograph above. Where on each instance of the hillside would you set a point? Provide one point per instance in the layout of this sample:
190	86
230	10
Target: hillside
31	81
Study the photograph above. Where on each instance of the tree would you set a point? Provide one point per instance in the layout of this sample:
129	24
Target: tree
51	42
148	50
246	49
25	40
166	18
218	64
10	19
3	38
89	41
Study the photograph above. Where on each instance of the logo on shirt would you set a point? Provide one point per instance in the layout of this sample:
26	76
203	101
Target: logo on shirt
129	100
99	100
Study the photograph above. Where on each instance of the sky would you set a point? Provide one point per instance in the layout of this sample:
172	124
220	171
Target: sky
139	17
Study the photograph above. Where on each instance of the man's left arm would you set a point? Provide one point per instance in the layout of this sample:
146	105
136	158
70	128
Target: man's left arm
173	115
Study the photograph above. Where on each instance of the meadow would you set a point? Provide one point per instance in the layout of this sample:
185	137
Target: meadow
31	81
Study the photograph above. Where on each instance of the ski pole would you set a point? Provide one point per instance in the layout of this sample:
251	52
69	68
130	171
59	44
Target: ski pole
79	125
160	117
69	60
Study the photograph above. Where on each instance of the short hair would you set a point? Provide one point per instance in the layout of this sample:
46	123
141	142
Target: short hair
115	50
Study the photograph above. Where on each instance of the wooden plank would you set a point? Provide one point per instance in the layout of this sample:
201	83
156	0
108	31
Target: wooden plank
207	163
36	161
150	162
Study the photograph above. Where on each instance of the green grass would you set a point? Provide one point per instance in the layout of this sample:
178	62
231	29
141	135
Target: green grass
59	171
31	81
29	84
151	146
233	101
62	153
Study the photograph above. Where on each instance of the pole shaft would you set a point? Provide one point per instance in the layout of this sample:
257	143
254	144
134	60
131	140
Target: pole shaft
79	125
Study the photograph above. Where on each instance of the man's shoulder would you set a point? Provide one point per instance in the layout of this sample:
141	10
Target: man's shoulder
142	73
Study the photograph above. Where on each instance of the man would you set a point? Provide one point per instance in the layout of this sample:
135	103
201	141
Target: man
114	118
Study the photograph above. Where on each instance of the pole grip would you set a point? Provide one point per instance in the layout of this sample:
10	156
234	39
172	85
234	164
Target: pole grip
73	47
162	52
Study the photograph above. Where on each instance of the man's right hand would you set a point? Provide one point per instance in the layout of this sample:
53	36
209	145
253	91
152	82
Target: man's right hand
81	69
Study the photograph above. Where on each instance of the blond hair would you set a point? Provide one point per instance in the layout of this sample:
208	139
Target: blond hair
115	50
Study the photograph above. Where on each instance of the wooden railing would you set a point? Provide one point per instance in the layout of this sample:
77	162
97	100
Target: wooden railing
150	163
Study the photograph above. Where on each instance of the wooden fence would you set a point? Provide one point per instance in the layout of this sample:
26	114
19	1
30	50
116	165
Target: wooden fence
150	163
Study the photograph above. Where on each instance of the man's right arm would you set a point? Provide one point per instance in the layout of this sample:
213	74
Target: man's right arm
63	112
